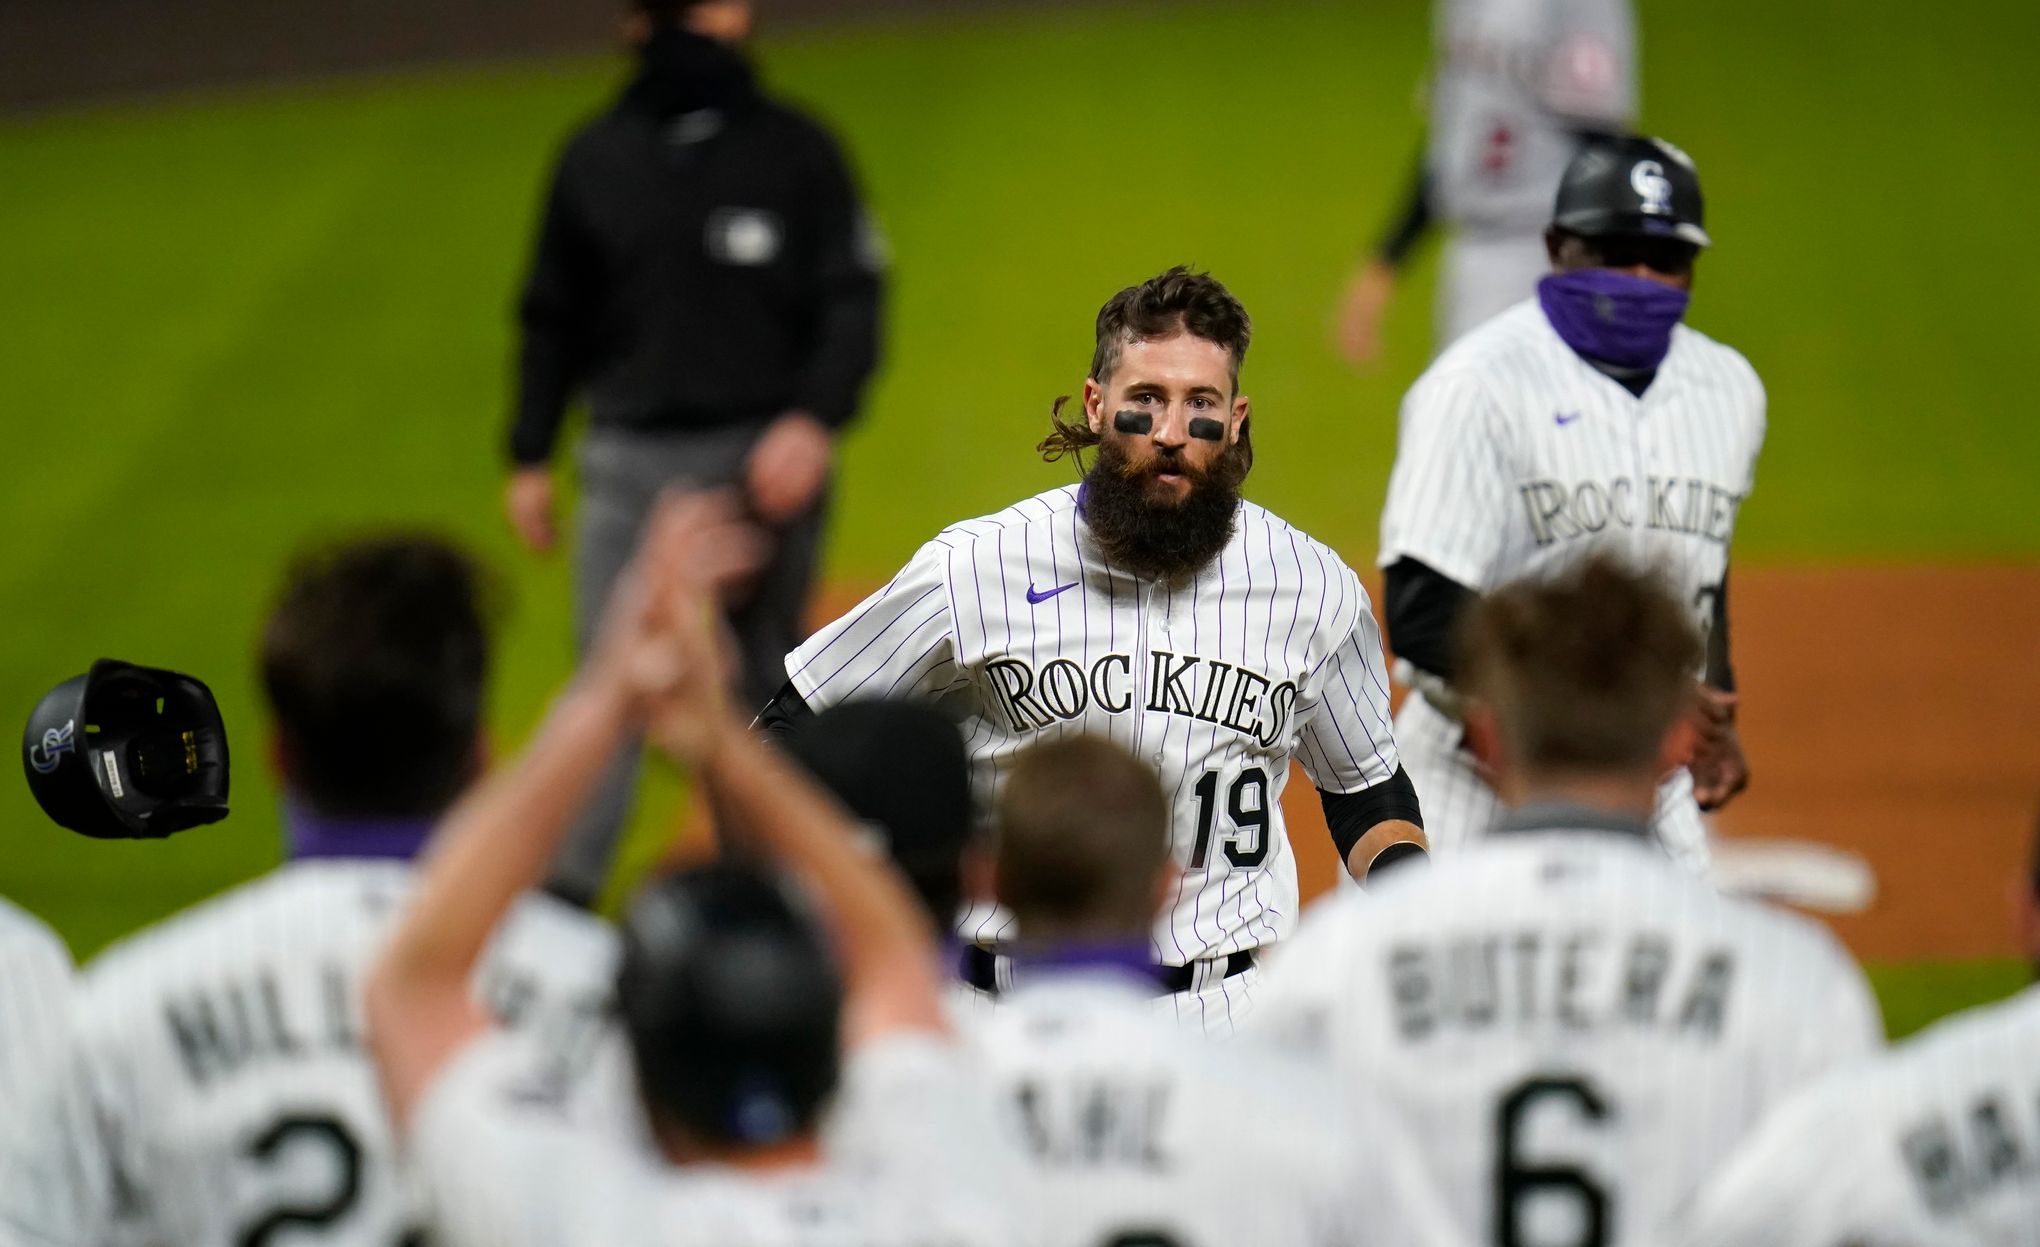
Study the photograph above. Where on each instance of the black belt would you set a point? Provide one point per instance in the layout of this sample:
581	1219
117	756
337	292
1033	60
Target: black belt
980	969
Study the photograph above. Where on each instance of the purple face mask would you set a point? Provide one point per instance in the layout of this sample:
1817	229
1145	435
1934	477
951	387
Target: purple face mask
1613	317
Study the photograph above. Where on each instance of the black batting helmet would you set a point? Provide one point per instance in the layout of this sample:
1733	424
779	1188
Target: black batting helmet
1631	185
732	1005
900	766
125	752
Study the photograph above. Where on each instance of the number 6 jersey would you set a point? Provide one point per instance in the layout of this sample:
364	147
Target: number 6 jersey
1575	1030
1269	652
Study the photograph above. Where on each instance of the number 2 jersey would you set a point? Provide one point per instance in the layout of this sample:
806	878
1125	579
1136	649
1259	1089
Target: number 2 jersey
1018	622
225	1046
1576	1030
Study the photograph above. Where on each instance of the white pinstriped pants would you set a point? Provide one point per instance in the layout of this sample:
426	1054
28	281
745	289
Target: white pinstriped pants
1459	806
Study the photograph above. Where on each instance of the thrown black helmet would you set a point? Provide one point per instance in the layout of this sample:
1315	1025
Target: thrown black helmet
127	753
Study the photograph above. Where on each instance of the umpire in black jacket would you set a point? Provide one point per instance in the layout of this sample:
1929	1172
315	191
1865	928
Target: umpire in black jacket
707	279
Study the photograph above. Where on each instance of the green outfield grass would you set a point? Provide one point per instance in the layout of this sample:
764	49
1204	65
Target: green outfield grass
243	321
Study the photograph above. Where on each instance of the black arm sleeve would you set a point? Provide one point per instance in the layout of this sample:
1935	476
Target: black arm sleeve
1409	228
1352	814
1720	672
786	711
1424	608
848	290
557	312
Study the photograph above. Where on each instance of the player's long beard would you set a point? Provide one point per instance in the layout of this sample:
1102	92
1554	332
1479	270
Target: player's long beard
1162	539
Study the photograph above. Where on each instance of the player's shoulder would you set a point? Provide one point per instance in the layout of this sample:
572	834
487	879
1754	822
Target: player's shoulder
290	909
1048	508
1711	359
544	931
1263	537
27	940
1514	344
1978	1039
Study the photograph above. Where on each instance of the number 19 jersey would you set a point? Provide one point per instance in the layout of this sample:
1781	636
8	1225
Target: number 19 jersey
1576	1031
1020	623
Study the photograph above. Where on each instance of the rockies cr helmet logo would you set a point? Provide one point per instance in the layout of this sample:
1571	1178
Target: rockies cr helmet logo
1648	180
49	752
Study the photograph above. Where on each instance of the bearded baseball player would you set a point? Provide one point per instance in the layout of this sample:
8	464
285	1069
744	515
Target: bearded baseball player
1576	1029
226	1042
1116	1107
1151	605
1938	1142
1517	86
1586	420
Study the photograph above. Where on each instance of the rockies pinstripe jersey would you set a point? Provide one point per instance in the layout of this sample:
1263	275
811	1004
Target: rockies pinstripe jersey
1018	622
1138	1131
1938	1143
927	1169
1517	458
1575	1030
226	1047
50	1187
1514	83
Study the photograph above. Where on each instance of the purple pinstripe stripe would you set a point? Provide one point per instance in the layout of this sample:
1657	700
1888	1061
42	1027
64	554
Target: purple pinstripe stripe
893	688
1360	720
874	639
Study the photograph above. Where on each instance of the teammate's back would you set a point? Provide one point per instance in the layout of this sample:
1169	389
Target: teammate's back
1575	1029
225	1046
1138	1129
1571	1024
1937	1142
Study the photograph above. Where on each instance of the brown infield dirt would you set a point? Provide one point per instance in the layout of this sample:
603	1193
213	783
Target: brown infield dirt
1887	711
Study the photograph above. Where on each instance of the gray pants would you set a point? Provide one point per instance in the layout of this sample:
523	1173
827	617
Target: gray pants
622	474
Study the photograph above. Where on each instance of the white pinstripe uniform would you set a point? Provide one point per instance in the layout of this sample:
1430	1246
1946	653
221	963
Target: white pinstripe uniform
1575	1030
925	1166
1517	458
226	1051
1515	80
1936	1145
1269	652
1137	1130
51	1184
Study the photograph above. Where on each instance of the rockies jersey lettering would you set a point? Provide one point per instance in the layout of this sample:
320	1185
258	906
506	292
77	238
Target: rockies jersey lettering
1018	622
1594	1011
225	1047
1937	1141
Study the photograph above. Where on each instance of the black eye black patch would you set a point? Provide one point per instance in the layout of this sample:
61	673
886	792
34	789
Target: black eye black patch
1205	429
1133	422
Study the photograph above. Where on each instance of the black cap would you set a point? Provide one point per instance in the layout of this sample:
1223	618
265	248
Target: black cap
1631	185
125	752
901	768
732	1006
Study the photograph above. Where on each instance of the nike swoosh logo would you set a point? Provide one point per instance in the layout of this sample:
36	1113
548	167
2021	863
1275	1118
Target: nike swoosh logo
1565	418
1036	599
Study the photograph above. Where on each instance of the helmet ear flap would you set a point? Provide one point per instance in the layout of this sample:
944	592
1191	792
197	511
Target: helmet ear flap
126	752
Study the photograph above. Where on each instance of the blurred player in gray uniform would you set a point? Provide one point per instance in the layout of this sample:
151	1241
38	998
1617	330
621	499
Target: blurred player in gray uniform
1937	1143
225	1042
740	1022
1585	420
1139	1130
1576	1030
1151	604
1516	86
